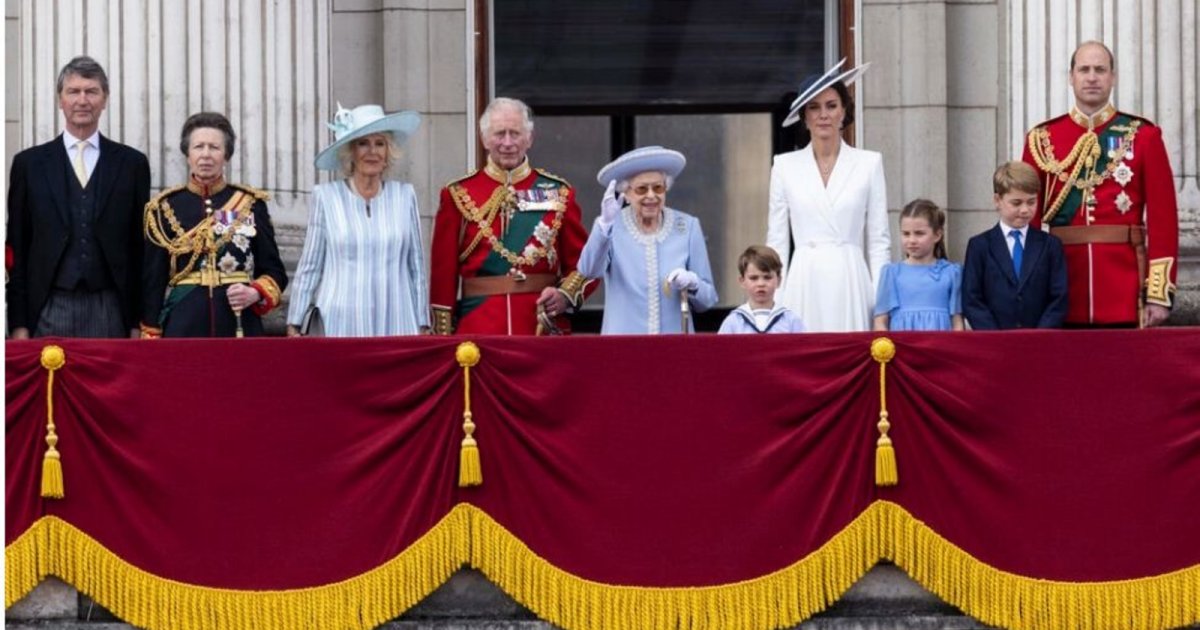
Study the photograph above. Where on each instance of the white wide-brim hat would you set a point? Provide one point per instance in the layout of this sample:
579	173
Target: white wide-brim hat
364	120
814	85
642	160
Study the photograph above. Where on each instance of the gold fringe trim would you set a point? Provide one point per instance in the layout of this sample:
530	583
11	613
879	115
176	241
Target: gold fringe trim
788	596
779	599
54	547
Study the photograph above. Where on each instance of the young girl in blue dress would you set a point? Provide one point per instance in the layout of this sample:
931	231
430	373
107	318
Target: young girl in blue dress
923	291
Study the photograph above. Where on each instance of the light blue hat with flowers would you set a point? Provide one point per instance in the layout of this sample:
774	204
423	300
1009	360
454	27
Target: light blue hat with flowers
364	120
643	160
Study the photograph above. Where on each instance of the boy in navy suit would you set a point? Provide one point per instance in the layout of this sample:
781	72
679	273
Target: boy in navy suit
1014	276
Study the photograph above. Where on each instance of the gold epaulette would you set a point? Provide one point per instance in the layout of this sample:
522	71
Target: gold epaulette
260	195
1046	123
548	174
1142	119
157	199
462	178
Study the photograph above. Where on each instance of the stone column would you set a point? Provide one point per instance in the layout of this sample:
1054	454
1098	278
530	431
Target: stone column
1155	44
905	95
410	54
264	65
932	103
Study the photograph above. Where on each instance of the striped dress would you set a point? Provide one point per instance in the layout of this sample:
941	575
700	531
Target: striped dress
365	273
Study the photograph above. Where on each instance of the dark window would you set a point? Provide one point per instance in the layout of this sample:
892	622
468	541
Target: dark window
710	78
670	53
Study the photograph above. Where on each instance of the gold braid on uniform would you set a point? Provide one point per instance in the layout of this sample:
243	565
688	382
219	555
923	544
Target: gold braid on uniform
1083	155
443	320
1159	287
572	287
1086	150
483	217
197	241
501	197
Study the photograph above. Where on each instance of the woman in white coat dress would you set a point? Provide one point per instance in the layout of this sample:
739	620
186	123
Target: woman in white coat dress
827	201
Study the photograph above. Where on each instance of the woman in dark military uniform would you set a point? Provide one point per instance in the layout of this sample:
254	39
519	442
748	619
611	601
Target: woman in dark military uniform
212	265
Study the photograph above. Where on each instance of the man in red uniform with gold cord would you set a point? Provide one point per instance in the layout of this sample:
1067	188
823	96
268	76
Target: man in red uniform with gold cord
1108	194
506	239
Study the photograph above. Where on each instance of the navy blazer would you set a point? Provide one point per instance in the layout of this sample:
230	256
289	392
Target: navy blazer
993	298
39	224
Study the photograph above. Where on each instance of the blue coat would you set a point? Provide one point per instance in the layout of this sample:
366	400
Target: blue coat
635	266
993	298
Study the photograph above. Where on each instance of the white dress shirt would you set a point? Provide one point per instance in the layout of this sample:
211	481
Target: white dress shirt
91	153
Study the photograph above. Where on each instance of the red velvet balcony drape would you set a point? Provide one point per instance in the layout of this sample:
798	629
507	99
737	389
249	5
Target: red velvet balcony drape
739	468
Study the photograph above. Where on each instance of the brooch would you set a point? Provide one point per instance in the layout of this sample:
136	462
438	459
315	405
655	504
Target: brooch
1123	174
1123	202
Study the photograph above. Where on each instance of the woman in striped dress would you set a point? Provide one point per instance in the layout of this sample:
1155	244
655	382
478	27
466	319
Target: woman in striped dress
361	273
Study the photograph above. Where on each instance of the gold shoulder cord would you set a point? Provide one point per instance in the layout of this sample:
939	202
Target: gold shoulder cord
196	241
1084	153
1083	156
486	214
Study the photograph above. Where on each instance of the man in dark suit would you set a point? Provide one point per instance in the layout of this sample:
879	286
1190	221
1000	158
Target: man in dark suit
75	222
1014	276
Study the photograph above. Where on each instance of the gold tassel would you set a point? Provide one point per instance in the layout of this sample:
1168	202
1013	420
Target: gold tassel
470	471
53	358
885	462
883	350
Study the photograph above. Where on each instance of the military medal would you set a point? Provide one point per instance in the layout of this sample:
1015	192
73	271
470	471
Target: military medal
1123	174
538	200
1124	202
1114	146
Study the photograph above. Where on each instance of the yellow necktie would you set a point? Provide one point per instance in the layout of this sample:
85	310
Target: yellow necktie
80	167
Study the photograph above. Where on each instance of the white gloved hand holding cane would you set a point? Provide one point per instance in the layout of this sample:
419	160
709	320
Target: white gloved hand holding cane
681	280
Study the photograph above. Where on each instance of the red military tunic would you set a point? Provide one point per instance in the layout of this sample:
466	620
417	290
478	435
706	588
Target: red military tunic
1108	193
496	246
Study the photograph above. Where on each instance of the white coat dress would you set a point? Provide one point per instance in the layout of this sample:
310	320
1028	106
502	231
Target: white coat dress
828	280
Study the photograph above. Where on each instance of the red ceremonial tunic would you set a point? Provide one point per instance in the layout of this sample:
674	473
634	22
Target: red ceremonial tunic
495	247
1109	170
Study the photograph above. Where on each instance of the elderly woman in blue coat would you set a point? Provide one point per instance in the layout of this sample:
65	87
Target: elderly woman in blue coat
652	257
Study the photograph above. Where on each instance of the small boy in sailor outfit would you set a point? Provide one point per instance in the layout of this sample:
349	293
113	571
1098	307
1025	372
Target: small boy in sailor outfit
759	269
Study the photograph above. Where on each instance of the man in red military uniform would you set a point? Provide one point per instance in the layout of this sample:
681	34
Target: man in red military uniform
1108	193
506	239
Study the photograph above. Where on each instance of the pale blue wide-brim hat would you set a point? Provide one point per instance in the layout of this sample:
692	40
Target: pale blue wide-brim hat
814	85
364	120
643	160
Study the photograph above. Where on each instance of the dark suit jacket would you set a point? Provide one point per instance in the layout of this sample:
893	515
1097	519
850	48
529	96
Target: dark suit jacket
39	224
994	298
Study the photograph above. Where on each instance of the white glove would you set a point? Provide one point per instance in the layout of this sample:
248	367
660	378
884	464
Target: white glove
684	280
610	205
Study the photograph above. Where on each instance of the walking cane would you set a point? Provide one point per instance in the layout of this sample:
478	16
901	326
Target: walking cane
685	311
